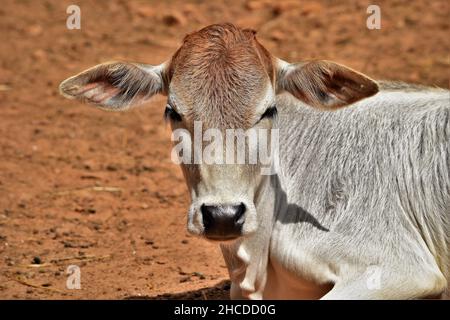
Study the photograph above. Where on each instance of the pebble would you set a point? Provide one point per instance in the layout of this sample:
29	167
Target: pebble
35	30
174	18
37	260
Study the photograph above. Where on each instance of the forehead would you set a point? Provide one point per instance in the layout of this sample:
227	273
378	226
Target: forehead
218	77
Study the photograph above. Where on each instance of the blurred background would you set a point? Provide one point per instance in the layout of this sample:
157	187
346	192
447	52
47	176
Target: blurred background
84	187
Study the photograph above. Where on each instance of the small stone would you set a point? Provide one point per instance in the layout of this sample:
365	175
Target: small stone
312	8
277	35
198	274
145	11
39	54
144	206
111	167
174	18
255	5
37	260
35	30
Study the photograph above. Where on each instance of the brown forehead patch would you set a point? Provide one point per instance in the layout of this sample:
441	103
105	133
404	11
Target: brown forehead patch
221	73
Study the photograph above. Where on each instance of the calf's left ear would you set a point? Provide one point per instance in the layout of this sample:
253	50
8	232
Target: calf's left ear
324	84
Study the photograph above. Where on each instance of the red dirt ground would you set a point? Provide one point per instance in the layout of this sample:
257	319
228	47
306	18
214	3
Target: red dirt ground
98	190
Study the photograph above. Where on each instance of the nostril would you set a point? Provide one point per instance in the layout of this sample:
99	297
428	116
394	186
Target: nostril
240	216
207	216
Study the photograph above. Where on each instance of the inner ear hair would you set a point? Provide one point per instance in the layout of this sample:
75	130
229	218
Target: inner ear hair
114	85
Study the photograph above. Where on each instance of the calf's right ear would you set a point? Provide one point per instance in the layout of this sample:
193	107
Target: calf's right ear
324	84
115	85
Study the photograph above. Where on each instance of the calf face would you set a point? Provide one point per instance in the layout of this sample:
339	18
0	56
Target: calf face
222	79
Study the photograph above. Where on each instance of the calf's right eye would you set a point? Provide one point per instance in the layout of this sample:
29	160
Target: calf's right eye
171	114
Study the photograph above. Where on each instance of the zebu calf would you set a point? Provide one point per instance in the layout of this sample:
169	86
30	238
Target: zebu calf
359	206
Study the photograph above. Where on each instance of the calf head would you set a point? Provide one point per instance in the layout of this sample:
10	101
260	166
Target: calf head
222	78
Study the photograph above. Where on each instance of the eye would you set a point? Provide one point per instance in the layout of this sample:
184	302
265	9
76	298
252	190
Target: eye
171	114
270	113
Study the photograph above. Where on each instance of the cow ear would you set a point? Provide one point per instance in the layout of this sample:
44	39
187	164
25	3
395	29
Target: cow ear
324	84
115	85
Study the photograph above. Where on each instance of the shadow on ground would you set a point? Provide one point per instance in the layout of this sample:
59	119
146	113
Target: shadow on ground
220	291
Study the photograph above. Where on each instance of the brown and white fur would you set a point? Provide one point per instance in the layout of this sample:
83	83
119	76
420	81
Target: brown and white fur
363	182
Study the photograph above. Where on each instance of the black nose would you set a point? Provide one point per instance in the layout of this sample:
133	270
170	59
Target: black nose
223	221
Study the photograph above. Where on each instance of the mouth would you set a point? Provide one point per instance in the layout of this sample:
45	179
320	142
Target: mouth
223	238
